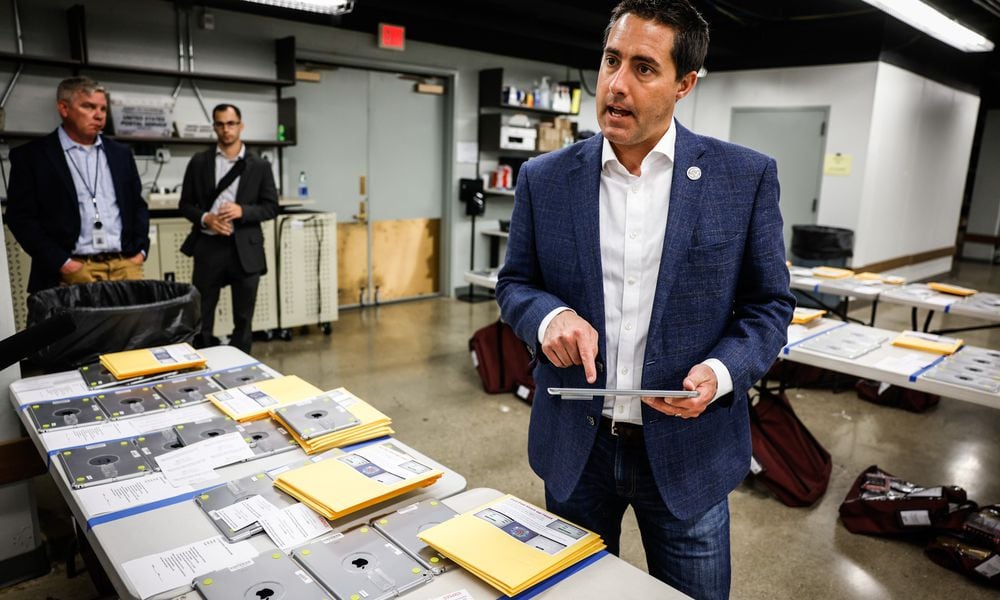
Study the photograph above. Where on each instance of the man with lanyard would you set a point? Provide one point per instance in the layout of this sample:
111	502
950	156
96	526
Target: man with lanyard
648	258
74	199
226	195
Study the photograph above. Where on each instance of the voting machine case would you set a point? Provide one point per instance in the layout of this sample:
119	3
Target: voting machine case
403	526
361	563
269	576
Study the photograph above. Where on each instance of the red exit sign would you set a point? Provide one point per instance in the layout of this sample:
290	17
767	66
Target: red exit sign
391	37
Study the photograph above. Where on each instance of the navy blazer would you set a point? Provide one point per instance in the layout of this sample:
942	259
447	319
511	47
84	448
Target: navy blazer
43	209
722	293
256	194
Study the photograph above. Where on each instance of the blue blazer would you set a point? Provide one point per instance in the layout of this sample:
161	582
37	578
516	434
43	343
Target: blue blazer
722	293
43	209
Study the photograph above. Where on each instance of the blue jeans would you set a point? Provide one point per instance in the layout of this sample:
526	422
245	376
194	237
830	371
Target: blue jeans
691	556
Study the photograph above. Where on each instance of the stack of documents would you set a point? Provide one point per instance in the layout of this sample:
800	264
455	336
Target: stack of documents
148	361
928	342
832	272
955	290
355	480
512	545
801	316
331	420
253	400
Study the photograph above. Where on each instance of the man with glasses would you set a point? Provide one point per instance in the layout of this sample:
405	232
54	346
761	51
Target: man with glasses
74	202
227	193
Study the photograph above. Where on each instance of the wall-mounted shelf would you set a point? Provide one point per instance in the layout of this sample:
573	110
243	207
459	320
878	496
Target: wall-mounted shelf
491	96
133	139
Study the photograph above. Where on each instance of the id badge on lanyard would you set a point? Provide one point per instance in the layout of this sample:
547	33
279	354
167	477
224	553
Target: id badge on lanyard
99	237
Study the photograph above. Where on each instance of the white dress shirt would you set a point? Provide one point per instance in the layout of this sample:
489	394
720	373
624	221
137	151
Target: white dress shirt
88	165
633	221
222	166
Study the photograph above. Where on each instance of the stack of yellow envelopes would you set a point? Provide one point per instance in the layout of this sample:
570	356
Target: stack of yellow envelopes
868	276
801	316
955	290
253	400
831	272
331	420
149	361
357	479
928	342
511	544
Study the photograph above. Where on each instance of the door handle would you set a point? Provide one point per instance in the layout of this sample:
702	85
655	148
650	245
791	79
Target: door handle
362	216
362	180
815	202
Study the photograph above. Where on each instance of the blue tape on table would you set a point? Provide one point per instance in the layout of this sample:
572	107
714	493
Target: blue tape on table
913	376
541	586
140	385
809	337
135	510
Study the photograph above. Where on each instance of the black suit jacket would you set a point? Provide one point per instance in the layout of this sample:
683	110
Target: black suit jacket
43	211
256	194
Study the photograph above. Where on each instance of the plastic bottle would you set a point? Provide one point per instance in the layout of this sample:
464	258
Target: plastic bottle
303	185
547	92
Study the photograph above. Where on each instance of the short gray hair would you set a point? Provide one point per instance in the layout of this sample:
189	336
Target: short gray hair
69	87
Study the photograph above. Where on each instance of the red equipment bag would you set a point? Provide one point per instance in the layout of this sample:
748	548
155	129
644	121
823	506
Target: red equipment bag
881	504
895	396
500	357
786	457
975	550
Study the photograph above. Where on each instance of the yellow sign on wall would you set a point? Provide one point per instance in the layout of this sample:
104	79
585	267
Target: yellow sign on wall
837	164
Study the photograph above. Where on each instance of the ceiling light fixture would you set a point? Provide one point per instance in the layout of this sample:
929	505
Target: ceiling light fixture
934	23
327	7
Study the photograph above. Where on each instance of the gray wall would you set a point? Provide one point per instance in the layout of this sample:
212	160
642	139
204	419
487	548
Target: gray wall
142	32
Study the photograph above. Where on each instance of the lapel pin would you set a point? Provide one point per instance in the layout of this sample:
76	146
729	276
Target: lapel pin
694	173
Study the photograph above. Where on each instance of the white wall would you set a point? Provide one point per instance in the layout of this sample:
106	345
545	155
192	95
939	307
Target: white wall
984	211
910	139
142	32
918	159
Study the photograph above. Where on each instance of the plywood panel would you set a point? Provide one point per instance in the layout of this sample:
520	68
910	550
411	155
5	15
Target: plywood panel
352	262
406	258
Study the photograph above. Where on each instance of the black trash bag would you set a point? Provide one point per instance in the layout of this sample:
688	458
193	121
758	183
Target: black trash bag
818	242
111	316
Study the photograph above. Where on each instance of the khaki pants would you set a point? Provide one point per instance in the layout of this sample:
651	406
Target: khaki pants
115	269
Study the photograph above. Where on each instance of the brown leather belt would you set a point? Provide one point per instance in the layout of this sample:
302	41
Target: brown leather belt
101	257
627	433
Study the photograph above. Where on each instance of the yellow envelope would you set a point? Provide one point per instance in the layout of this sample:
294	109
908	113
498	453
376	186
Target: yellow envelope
252	401
149	361
373	423
511	544
358	479
801	316
947	288
868	276
928	342
831	272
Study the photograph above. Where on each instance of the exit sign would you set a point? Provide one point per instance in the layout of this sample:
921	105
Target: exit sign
391	37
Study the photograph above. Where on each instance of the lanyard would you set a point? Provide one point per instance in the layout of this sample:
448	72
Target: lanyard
92	190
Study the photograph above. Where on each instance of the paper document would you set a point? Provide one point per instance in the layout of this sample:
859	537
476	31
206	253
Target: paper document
904	365
462	594
176	568
293	526
247	512
59	439
119	495
46	388
196	463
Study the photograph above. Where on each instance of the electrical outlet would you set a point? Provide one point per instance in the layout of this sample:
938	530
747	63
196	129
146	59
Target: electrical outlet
162	155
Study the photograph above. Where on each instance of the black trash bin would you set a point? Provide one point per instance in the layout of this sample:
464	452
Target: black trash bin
111	316
818	245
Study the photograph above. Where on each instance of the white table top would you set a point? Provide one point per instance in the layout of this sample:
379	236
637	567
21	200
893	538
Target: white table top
865	290
888	363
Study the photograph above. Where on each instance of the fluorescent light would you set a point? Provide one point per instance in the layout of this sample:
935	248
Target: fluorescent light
934	23
329	7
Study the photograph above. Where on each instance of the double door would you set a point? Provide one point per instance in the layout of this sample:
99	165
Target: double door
372	150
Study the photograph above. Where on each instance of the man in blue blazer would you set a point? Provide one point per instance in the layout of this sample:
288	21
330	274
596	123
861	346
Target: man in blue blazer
74	202
648	257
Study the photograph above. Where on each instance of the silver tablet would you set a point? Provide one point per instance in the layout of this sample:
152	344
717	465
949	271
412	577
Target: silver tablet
588	393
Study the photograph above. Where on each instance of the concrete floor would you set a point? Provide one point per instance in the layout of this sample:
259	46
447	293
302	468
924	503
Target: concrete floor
411	361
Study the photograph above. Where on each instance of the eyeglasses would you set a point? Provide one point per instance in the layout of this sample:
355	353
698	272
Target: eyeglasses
225	125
